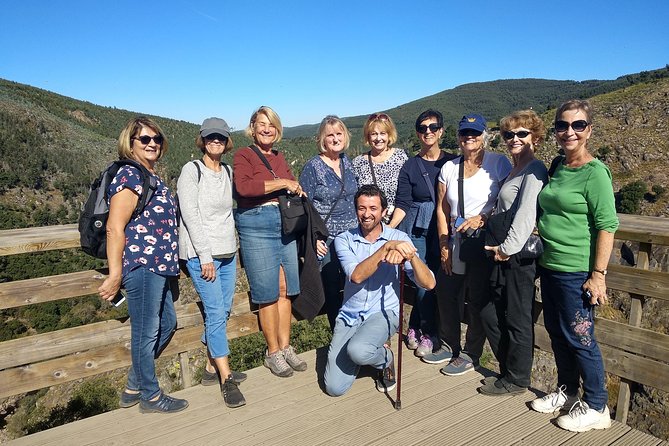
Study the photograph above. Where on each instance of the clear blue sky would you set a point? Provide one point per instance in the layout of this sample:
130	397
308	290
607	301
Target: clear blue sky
194	59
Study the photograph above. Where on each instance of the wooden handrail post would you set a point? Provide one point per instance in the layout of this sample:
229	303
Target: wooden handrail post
636	313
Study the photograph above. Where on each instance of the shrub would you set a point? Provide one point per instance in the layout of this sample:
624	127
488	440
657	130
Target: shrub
630	196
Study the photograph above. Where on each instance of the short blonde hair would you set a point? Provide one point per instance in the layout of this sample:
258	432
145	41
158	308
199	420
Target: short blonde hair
273	119
527	119
333	121
199	142
133	129
385	122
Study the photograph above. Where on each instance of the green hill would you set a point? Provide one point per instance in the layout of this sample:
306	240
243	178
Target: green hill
52	146
494	100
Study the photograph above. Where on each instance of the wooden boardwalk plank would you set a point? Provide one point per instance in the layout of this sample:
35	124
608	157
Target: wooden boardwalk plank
436	410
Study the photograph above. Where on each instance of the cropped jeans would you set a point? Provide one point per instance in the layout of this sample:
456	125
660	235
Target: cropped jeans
569	320
216	298
357	345
152	323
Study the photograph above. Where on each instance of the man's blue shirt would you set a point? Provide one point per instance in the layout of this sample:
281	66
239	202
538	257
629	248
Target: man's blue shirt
379	293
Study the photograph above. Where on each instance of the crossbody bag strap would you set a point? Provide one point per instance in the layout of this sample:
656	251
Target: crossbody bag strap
371	166
461	183
426	177
263	159
341	192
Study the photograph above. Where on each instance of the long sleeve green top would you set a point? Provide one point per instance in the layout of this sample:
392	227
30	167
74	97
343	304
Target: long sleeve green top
576	204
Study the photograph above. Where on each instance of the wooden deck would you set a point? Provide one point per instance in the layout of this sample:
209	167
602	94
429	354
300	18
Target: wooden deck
436	409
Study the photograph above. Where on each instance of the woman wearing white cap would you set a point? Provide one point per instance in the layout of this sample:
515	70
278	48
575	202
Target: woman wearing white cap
207	242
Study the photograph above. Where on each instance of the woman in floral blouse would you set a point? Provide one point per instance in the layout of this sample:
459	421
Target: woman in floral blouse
142	252
382	164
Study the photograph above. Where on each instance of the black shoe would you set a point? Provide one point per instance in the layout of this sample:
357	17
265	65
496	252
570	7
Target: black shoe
386	379
164	404
502	387
210	379
128	399
231	394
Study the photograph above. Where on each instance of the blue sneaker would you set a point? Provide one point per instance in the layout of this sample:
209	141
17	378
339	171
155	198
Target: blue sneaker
459	365
128	399
164	404
437	357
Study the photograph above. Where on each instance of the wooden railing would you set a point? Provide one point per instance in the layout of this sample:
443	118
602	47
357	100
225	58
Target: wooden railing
634	354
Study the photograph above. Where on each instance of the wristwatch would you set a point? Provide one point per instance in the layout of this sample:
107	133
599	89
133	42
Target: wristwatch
603	272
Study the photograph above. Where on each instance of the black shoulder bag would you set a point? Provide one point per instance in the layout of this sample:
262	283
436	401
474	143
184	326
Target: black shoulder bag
499	225
471	242
294	218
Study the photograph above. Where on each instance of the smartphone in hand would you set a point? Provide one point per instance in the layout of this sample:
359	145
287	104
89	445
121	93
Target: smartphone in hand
119	298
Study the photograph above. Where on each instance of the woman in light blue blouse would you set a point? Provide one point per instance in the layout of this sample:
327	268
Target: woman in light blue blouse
329	182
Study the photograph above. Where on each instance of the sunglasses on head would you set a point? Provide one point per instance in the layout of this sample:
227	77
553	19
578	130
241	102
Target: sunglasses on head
145	139
469	132
216	137
521	134
424	128
578	126
379	117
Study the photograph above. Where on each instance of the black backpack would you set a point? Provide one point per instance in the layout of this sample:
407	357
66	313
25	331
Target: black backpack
94	213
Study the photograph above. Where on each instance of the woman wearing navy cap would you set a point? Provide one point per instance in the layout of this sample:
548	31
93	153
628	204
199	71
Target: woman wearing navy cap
459	281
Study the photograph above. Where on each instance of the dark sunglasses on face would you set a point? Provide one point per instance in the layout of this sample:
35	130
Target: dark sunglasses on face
216	137
521	134
423	128
578	126
145	139
469	132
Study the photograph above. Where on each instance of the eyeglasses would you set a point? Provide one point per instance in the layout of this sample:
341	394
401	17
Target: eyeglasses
216	137
521	134
578	126
423	128
146	139
469	132
379	117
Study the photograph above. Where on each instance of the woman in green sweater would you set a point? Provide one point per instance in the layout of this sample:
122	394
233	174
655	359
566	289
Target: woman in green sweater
577	227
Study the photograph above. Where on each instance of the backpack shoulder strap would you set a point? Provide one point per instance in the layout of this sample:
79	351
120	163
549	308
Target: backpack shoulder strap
199	171
554	165
149	183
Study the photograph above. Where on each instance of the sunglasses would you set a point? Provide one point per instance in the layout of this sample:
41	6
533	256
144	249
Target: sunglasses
521	134
146	139
578	126
379	117
216	137
469	132
424	128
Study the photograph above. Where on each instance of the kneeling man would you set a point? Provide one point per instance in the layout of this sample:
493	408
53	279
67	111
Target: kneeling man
369	255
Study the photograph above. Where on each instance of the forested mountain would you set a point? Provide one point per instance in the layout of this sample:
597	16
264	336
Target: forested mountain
52	146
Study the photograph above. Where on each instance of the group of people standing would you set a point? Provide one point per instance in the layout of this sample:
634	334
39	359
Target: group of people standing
385	213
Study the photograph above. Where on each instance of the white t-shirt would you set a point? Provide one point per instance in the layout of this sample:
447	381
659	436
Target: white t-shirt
479	194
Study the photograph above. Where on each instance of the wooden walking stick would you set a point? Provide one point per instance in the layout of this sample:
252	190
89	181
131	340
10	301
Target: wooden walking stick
398	401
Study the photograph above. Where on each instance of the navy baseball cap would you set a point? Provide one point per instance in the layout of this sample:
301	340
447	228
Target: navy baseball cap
474	122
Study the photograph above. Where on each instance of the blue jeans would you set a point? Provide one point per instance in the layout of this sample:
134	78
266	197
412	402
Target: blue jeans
333	282
152	323
569	320
424	309
216	298
360	344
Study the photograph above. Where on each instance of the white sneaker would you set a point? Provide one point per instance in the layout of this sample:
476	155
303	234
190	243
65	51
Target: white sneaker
553	401
582	419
